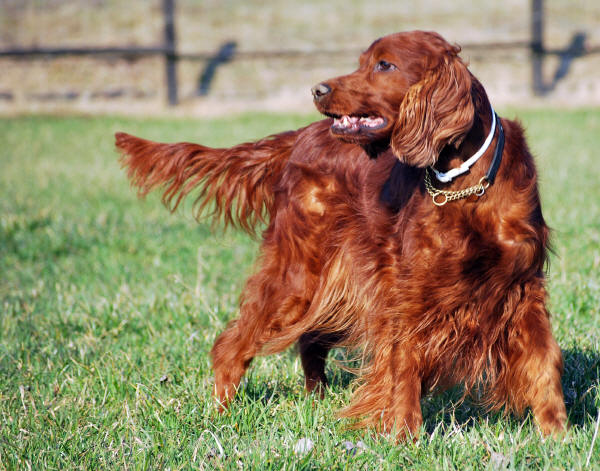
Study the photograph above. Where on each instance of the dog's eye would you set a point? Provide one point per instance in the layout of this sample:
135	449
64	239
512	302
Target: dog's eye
384	66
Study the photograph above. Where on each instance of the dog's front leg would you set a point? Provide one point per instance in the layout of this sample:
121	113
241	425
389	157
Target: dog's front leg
404	417
390	397
535	364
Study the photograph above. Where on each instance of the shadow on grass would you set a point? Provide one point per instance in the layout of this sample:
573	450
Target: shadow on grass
269	393
581	383
581	387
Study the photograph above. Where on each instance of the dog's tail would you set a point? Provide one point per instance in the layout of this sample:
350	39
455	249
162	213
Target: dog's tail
240	180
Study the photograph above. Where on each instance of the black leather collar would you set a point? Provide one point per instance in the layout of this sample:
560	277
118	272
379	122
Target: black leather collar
490	176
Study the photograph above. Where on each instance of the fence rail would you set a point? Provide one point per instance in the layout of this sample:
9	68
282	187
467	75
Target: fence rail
228	52
251	55
83	51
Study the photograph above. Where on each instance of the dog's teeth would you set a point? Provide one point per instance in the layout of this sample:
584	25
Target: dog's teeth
371	121
349	122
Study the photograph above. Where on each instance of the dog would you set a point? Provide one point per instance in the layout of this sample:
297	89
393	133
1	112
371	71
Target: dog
406	224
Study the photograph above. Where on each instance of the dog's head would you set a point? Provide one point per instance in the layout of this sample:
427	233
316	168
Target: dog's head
410	89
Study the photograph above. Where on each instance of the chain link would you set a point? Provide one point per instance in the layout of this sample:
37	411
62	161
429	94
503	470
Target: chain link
441	197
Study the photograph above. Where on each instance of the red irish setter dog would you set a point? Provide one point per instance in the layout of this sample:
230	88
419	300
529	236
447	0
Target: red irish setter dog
407	224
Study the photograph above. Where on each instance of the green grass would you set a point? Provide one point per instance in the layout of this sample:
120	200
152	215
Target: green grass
109	307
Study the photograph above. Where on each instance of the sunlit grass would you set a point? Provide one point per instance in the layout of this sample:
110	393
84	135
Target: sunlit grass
109	307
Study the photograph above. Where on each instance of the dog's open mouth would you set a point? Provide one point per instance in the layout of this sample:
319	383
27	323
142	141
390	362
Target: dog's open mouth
347	124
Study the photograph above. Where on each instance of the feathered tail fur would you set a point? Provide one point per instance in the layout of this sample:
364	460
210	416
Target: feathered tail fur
241	180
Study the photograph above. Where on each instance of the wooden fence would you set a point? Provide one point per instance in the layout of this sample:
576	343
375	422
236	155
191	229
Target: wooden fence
228	52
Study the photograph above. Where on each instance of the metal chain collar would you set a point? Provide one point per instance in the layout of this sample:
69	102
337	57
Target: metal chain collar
441	197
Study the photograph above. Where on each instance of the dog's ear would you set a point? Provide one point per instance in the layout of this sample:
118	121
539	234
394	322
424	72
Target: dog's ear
436	111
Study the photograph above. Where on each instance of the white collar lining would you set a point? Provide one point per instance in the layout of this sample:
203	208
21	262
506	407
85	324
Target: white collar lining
446	177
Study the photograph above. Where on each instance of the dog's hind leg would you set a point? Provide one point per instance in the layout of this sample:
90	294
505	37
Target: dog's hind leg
266	311
314	348
231	355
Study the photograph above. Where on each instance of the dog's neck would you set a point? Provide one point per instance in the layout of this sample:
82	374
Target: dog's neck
452	157
373	149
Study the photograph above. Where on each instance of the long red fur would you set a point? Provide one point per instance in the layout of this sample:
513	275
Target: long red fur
356	253
239	180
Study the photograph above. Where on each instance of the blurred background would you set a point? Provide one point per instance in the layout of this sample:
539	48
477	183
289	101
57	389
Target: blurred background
209	57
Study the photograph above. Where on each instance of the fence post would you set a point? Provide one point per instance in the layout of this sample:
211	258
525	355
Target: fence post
170	50
537	46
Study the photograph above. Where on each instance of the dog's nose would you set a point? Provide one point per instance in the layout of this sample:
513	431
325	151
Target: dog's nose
319	91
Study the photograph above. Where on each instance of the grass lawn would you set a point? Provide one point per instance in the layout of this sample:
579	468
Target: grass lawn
109	307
